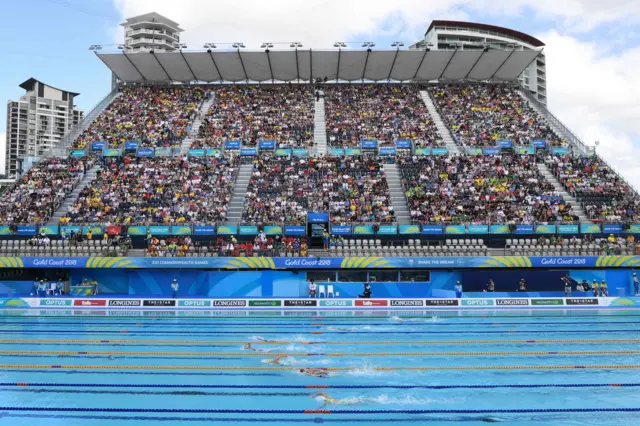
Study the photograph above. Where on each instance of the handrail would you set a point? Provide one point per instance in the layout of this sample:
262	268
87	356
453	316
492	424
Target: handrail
69	137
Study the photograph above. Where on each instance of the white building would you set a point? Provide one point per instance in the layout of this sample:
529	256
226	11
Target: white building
37	122
151	31
451	35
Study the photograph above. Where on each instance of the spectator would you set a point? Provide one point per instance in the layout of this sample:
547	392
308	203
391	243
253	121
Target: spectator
312	288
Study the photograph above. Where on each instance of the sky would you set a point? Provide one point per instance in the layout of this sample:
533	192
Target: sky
592	47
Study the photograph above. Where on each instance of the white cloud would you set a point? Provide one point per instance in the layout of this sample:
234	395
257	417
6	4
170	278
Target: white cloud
3	151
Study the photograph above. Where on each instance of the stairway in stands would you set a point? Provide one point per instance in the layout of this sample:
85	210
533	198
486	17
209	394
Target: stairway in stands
398	199
234	214
195	126
577	208
443	130
71	198
320	128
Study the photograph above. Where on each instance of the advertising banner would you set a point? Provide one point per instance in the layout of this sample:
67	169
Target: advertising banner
98	146
524	229
455	229
477	302
387	230
590	228
126	303
612	228
336	152
512	302
232	145
368	144
295	230
301	302
159	230
26	230
545	229
491	151
406	303
137	230
204	230
363	230
422	151
163	152
559	151
131	145
283	152
432	229
89	302
317	217
197	303
213	152
526	150
196	152
265	303
353	151
248	152
228	303
442	302
547	302
248	230
340	230
539	143
371	302
145	152
504	143
159	302
78	153
477	229
267	144
180	230
568	229
403	144
227	230
272	230
411	229
336	303
474	151
387	150
583	301
439	151
300	152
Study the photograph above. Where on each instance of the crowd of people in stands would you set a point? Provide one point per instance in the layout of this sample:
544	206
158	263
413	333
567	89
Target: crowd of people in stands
153	116
282	113
132	190
381	112
479	115
173	246
490	189
34	198
605	196
283	190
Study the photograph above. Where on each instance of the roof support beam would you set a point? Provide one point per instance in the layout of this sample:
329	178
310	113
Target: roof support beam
338	67
310	65
246	77
366	61
116	74
393	64
502	64
270	69
134	66
163	70
447	66
188	66
476	62
297	66
420	64
215	65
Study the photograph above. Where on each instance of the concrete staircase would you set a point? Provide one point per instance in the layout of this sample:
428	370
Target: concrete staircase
398	199
577	208
195	126
320	128
443	130
68	202
234	214
73	134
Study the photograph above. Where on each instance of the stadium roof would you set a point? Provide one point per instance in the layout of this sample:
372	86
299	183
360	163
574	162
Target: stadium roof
305	65
485	27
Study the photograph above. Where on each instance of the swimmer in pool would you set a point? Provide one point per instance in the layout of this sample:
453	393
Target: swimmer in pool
276	360
249	347
315	372
327	400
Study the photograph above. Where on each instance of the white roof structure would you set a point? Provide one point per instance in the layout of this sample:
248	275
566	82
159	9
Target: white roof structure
306	65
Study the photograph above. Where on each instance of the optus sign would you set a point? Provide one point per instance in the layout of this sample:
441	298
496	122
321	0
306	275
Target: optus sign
194	303
55	302
336	303
477	302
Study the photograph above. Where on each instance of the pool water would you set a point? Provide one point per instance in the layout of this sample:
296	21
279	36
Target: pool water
515	367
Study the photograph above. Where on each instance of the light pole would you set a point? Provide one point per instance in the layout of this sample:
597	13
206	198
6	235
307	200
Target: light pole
295	44
266	46
397	44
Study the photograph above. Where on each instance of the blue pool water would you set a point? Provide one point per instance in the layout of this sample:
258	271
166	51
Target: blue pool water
141	368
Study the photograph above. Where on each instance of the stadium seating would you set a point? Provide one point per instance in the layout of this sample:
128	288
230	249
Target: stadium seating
42	246
35	196
250	114
352	189
153	116
478	115
261	245
381	112
157	190
489	189
559	246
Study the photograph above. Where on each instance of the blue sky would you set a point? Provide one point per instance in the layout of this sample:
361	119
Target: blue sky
593	47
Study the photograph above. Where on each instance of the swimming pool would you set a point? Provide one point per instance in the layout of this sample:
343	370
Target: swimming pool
519	367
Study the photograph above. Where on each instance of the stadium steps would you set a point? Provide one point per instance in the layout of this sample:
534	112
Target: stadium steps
443	130
320	128
234	214
195	126
548	175
398	199
71	198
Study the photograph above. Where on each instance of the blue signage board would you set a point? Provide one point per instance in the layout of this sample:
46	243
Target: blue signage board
524	229
249	152
232	145
589	228
387	150
340	230
248	230
336	152
568	229
227	230
273	230
559	151
196	152
295	230
432	229
270	144
439	151
300	152
363	230
478	229
546	229
204	230
455	229
159	230
539	143
137	230
491	151
131	145
283	152
504	143
387	230
317	217
403	144
145	152
354	151
422	151
213	152
78	152
369	144
612	228
98	146
26	230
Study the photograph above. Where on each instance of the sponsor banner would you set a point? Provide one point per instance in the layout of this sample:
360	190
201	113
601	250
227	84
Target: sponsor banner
270	144
474	151
336	303
197	303
228	303
500	229
248	152
539	143
301	302
272	230
524	229
295	230
128	303
95	230
369	144
568	229
387	150
371	302
196	152
26	230
46	229
265	303
137	230
248	230
387	230
5	230
582	301
110	152
477	302
512	302
504	143
491	151
317	217
406	303
439	151
422	151
212	152
204	230
526	150
227	230
412	229
78	152
403	144
363	230
589	228
232	145
455	229
559	151
340	230
432	229
442	302
89	302
14	302
633	229
131	145
159	230
180	230
159	302
163	152
336	152
68	229
612	228
146	152
300	152
353	151
477	229
55	302
546	229
547	302
283	152
98	146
